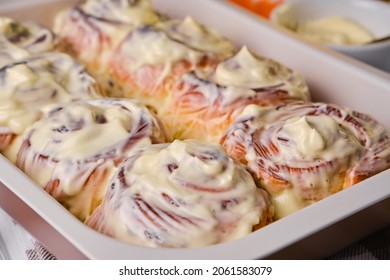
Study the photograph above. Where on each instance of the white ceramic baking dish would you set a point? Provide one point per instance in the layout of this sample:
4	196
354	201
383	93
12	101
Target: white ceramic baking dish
314	232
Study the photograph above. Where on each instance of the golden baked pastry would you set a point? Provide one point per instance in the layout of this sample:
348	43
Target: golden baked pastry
302	153
73	151
184	194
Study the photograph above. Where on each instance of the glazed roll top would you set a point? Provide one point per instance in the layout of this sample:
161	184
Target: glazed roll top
74	149
28	86
20	39
204	103
151	58
133	12
302	153
171	41
183	194
94	28
197	37
174	40
249	70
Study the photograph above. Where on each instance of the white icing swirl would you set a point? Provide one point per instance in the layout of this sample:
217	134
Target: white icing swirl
134	12
314	137
305	152
172	41
334	30
197	36
28	86
148	46
248	70
185	194
74	149
95	28
149	61
205	101
20	39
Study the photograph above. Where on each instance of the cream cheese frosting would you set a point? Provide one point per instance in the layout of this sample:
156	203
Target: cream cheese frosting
334	30
305	152
206	101
20	39
79	142
174	40
248	70
134	12
183	194
93	29
150	59
28	86
245	74
197	36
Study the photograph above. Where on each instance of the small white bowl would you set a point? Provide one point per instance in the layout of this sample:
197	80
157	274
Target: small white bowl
373	15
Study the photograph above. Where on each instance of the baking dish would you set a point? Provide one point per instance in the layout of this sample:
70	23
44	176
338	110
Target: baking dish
313	232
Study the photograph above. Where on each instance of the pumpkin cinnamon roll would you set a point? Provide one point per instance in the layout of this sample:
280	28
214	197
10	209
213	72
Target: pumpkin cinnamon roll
150	59
28	86
204	104
19	39
74	149
183	194
302	153
91	30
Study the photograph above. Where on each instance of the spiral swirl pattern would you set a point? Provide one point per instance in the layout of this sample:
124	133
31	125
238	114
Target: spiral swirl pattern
150	59
302	153
184	194
92	30
20	39
204	104
29	86
75	148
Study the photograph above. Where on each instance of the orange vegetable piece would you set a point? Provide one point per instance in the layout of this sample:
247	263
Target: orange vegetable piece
260	7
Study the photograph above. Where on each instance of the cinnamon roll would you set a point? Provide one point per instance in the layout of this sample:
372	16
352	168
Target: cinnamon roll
28	86
151	58
74	149
91	30
183	194
302	153
20	39
204	104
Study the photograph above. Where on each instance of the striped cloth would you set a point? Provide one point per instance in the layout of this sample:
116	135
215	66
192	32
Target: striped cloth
17	244
374	247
